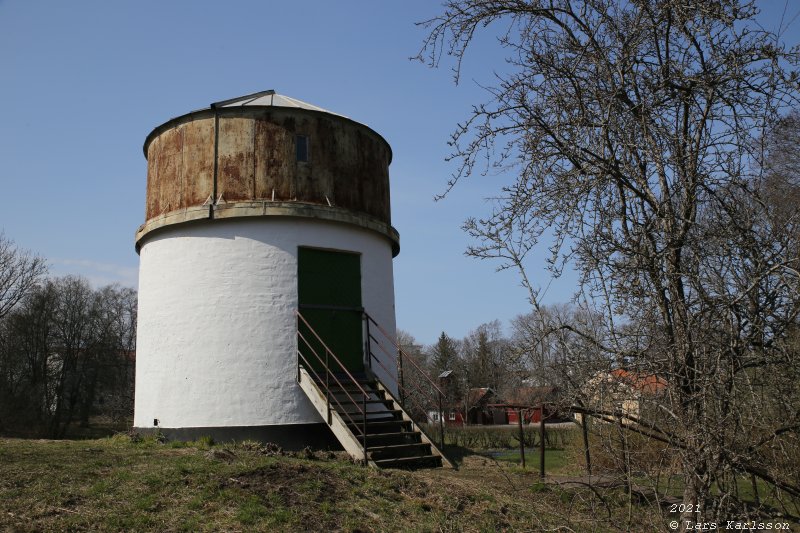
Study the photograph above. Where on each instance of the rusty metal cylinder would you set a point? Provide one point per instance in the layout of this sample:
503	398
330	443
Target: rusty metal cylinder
250	158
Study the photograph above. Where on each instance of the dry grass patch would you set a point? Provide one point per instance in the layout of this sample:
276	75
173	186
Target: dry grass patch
115	484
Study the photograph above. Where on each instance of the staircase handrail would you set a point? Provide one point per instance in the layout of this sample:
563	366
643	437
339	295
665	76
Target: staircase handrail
312	382
403	353
401	386
328	351
416	403
316	375
338	362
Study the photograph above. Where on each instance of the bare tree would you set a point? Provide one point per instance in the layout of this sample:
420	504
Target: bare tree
108	372
488	361
549	350
26	391
638	135
19	272
66	352
73	337
116	325
410	346
413	376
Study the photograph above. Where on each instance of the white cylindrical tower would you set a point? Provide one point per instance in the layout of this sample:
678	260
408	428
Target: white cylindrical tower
255	207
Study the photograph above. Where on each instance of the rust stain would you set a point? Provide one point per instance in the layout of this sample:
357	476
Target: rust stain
274	177
198	159
236	155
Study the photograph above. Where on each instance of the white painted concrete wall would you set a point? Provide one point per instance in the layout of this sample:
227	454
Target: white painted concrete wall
216	334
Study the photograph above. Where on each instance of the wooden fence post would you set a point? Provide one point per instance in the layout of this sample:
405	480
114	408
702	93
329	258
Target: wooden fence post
541	441
585	431
521	437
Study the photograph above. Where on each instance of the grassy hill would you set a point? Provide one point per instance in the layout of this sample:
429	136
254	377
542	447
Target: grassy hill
124	483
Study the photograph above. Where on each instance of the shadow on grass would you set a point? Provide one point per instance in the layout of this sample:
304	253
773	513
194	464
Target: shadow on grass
75	431
456	454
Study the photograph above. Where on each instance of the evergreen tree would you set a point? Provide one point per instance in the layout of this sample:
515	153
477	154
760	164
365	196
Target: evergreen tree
445	354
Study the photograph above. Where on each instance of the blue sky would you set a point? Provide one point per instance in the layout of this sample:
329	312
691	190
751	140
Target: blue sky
83	82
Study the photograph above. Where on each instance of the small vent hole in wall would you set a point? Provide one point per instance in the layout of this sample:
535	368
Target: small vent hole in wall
155	421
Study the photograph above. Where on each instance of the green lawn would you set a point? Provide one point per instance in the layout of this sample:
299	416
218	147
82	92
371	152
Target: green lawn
501	443
673	486
556	461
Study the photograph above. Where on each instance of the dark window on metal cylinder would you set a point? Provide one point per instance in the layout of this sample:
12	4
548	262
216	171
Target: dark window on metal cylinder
302	148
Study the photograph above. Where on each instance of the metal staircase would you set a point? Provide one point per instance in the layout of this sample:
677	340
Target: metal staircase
363	414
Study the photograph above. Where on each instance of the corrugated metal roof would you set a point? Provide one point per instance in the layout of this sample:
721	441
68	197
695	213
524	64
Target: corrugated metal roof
270	98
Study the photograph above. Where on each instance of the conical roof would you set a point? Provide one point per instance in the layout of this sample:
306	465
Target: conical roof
270	98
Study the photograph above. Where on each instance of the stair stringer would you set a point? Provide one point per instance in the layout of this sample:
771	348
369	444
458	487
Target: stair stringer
346	438
425	439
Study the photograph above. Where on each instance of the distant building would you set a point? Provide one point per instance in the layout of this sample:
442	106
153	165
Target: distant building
623	392
483	407
530	401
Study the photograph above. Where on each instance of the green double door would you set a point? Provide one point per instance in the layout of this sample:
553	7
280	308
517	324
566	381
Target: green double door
329	293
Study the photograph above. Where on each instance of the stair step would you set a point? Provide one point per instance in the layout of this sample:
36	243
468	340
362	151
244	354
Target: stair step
378	420
394	447
356	410
395	451
349	389
402	437
359	376
382	426
339	400
357	421
390	440
345	382
354	395
375	440
409	462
